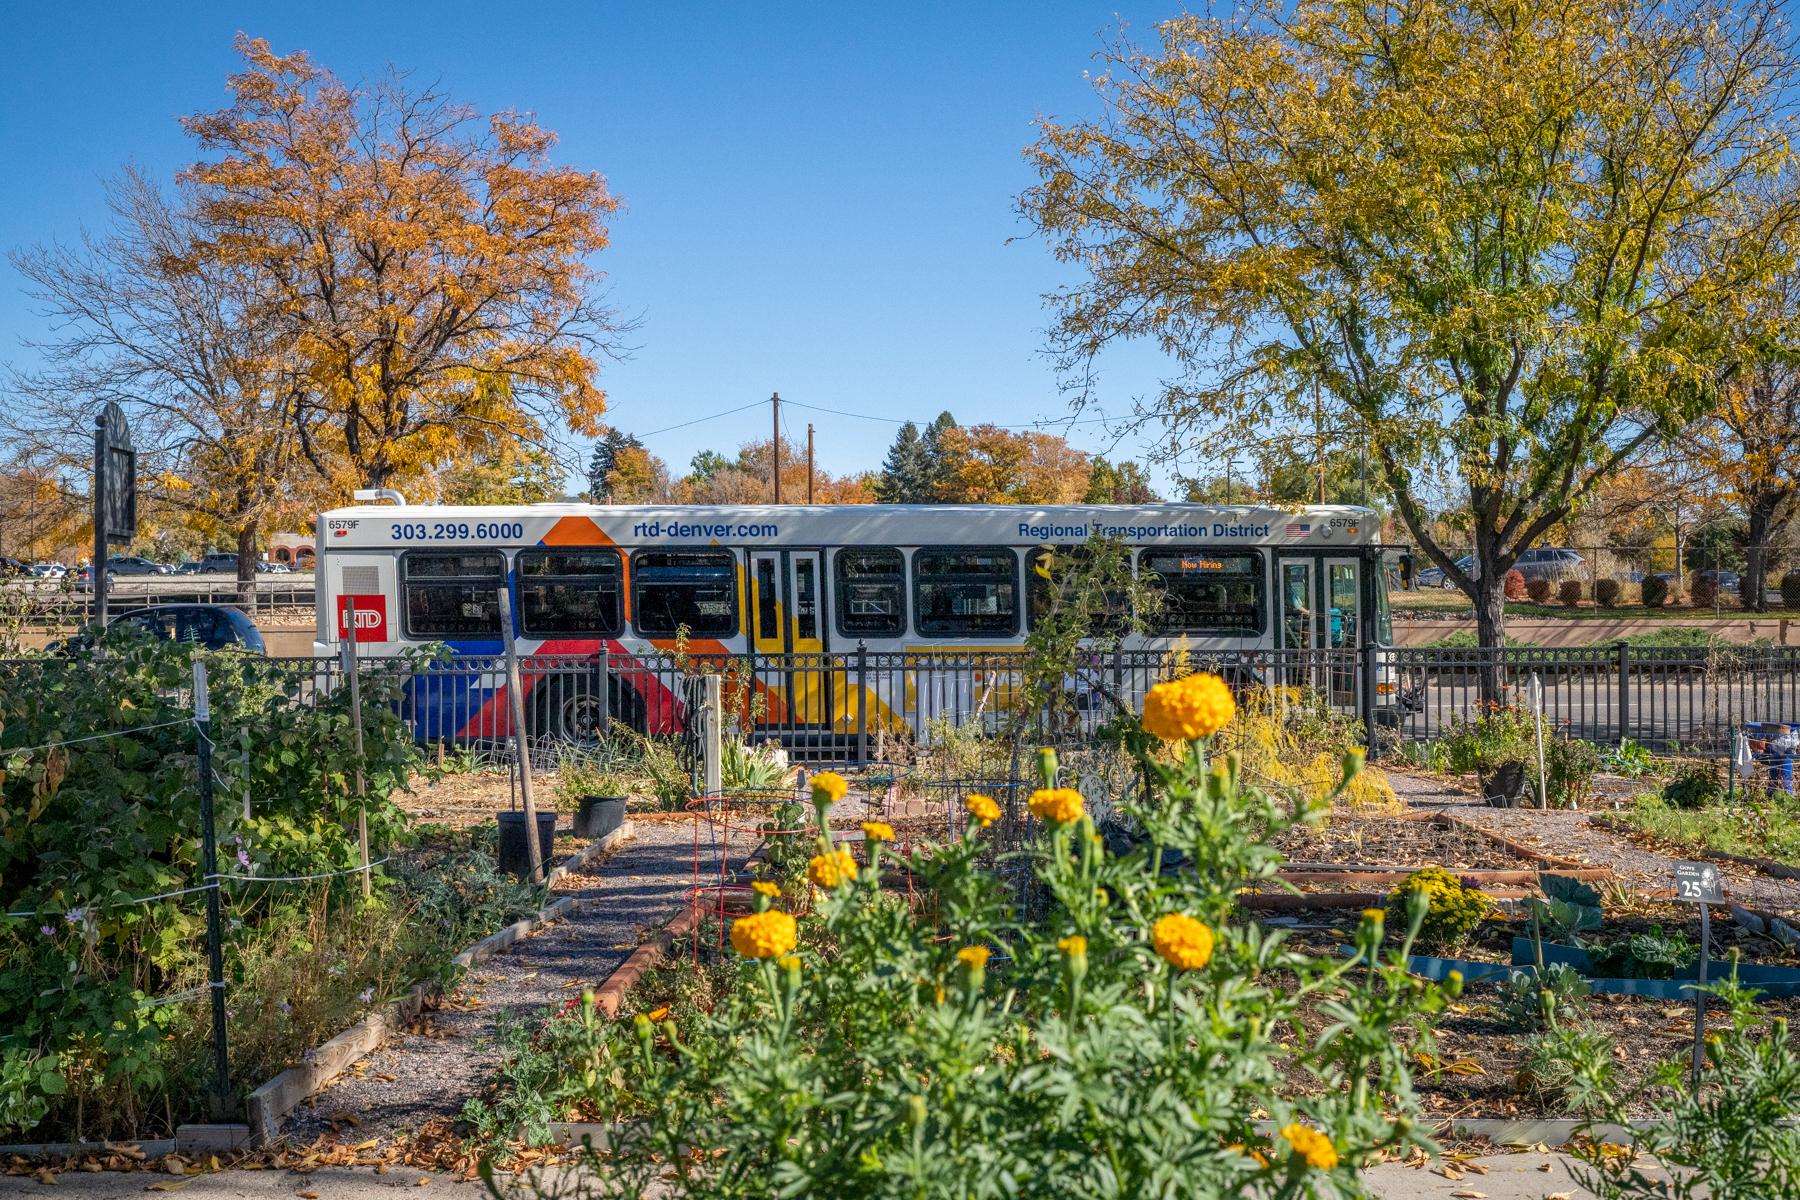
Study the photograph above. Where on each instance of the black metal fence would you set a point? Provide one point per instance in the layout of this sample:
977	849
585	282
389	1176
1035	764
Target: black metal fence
53	602
862	706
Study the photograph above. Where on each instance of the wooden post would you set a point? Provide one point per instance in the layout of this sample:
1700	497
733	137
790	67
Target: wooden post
209	869
521	745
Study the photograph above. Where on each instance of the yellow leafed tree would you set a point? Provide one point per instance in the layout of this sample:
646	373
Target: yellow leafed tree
431	266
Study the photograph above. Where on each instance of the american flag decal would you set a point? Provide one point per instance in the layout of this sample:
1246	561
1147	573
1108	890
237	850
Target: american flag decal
1298	529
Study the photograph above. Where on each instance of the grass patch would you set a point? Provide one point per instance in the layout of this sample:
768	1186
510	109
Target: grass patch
1757	825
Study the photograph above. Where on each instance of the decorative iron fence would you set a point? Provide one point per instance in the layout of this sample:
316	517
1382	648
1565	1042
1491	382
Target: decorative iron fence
862	706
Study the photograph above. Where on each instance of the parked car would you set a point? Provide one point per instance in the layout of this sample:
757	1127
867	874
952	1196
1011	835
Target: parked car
265	567
13	566
1435	576
212	626
48	570
1727	580
1547	563
216	562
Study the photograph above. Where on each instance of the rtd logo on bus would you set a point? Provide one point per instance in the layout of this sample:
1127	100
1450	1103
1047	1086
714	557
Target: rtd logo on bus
369	614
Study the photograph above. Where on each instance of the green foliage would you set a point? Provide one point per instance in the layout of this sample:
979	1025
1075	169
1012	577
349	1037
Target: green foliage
1569	909
1629	758
1652	954
1734	1136
88	825
1695	786
1505	734
1570	765
1570	1069
877	1062
1454	910
1762	823
544	1065
744	768
458	890
1607	593
1533	1000
1083	599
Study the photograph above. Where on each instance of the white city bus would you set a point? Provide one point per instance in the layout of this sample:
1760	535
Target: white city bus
822	582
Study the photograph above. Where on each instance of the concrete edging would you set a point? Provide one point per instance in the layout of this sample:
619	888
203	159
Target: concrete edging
267	1106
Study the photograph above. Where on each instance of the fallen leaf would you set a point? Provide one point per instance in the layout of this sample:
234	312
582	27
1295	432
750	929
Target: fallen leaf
1469	1194
307	1195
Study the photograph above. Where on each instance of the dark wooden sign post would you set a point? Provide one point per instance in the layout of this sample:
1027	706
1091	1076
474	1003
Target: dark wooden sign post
115	495
1700	883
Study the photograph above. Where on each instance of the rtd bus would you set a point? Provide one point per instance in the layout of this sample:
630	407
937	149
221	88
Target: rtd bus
809	586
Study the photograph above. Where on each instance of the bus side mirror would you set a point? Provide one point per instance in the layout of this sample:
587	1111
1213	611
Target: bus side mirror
1406	572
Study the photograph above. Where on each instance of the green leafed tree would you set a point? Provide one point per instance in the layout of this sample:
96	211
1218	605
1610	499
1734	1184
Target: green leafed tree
1500	237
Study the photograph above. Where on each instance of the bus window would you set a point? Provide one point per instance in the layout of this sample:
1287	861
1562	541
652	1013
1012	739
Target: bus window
871	593
768	596
454	594
1346	604
1049	568
1205	591
969	591
570	591
692	588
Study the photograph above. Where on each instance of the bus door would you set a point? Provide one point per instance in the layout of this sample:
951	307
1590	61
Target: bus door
787	633
1319	623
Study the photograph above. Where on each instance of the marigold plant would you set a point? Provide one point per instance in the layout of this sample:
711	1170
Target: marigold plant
831	868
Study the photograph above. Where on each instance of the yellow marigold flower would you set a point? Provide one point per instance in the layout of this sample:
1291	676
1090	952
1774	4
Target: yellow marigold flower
1183	942
829	870
764	935
1059	806
1311	1145
763	887
1376	915
878	831
983	809
828	787
1074	945
658	1013
788	962
974	957
1181	710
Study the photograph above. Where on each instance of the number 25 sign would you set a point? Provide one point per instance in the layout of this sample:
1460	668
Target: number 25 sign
1699	883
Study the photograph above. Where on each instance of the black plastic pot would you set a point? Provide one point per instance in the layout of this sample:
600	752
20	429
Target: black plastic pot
597	816
1505	786
515	857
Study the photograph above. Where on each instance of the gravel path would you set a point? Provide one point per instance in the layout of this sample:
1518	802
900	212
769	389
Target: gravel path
443	1059
1573	835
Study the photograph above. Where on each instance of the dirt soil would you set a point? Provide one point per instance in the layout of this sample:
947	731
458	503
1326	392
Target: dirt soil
1354	840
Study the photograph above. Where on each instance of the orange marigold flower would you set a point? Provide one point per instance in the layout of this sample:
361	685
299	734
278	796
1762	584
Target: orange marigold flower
764	935
1059	806
828	787
1075	946
1183	942
1311	1145
974	957
829	870
763	887
982	809
1195	706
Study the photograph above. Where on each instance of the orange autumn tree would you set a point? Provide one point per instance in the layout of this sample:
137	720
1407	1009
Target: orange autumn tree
986	464
431	265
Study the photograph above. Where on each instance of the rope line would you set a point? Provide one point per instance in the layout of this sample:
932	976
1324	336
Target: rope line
298	878
92	737
205	887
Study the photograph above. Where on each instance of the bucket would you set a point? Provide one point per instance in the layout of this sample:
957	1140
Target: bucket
598	816
515	858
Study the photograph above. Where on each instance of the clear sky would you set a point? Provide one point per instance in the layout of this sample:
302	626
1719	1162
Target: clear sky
819	197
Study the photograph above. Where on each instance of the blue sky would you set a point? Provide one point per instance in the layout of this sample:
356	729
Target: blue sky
818	196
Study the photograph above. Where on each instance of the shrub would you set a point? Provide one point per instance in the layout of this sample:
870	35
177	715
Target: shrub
1570	1068
1790	590
1655	591
1718	1141
1570	765
1454	910
1513	585
1607	592
1695	787
1538	588
1530	1000
1569	592
1703	592
885	1054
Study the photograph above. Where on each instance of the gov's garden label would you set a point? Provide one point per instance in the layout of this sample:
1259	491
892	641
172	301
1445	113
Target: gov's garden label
1699	883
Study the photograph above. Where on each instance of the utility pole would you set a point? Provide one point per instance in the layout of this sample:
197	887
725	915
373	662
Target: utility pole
809	463
775	405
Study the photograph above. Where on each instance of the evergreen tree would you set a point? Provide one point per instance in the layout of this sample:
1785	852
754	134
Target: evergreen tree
606	457
936	465
902	477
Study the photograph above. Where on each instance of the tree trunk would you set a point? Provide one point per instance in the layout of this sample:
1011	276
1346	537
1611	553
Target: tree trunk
1759	518
246	564
1490	632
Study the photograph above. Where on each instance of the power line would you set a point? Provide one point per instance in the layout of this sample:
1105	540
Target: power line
1042	423
697	420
